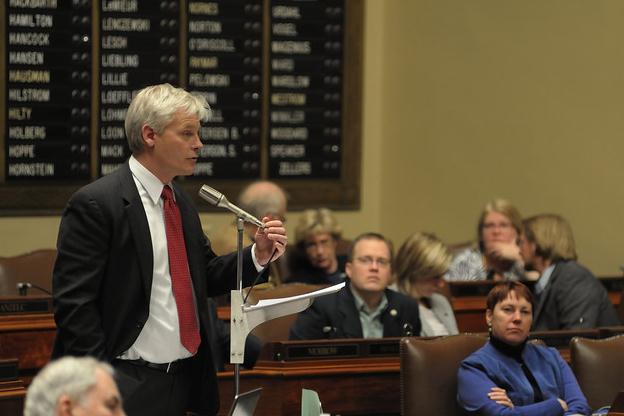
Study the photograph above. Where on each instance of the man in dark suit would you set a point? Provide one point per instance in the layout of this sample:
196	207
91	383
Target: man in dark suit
567	294
134	268
365	307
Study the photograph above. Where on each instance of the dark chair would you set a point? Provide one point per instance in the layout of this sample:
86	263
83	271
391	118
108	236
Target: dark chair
599	368
35	267
429	373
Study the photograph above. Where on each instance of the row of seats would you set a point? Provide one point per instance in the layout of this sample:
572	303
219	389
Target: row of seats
429	371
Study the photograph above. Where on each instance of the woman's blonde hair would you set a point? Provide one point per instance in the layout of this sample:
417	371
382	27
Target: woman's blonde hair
552	236
422	256
502	206
317	221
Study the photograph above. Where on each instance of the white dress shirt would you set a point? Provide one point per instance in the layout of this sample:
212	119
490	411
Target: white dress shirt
159	340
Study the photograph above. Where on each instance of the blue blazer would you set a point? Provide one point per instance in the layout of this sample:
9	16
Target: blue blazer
488	367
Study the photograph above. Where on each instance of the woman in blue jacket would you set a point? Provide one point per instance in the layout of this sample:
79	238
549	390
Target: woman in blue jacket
510	377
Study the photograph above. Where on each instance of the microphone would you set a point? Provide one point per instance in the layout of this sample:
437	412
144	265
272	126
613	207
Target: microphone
22	288
216	198
328	330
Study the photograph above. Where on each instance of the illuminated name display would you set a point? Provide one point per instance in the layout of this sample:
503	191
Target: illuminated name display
27	132
124	6
305	97
34	4
31	20
29	39
26	58
271	73
126	24
29	76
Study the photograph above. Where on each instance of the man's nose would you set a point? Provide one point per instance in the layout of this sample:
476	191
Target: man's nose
198	143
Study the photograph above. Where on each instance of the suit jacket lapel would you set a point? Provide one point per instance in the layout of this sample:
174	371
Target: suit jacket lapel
350	315
139	228
390	320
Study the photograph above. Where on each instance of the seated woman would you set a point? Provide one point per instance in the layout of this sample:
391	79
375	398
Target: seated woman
497	256
509	376
419	266
313	259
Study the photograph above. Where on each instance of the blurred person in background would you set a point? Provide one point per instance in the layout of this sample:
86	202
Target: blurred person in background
419	265
568	294
365	307
313	259
497	255
260	199
74	386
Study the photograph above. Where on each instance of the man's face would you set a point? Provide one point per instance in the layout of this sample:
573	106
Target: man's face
370	269
102	400
527	252
321	251
176	148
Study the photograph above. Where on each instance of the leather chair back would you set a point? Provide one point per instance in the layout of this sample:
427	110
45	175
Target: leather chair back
599	368
429	373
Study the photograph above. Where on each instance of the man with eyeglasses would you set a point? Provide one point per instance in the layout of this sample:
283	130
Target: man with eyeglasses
365	307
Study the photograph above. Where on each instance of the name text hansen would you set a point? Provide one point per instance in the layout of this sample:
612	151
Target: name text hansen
26	58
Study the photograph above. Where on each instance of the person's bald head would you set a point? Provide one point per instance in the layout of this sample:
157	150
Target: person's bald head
264	198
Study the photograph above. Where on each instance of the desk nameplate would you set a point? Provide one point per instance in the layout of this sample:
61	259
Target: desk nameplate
18	305
8	370
326	349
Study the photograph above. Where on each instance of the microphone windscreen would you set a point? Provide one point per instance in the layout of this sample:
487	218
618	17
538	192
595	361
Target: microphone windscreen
210	194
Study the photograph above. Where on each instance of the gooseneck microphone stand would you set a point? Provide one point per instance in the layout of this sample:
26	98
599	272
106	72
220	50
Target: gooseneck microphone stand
245	317
240	226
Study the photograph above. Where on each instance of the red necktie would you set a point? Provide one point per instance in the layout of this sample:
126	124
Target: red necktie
180	276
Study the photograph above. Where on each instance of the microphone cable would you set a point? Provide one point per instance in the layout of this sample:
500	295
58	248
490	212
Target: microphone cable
268	263
22	288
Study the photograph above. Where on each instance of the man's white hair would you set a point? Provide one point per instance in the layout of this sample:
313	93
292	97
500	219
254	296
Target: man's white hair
73	376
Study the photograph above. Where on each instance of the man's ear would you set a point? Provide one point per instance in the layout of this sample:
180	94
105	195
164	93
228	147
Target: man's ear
64	406
348	266
149	136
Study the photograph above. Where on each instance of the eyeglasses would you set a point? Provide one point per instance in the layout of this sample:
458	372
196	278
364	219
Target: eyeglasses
368	261
493	225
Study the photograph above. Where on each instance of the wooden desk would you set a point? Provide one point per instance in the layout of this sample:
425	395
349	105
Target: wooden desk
12	395
28	338
348	386
354	387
